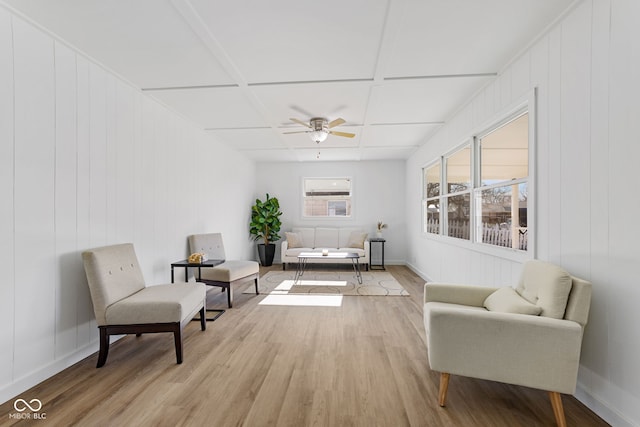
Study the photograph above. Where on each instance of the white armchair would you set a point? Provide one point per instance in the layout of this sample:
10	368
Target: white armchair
495	334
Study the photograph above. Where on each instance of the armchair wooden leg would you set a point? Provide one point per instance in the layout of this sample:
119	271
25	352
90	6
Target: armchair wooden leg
104	347
203	320
177	337
558	410
256	282
444	386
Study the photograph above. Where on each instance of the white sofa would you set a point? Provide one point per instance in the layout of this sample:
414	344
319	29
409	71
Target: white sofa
319	238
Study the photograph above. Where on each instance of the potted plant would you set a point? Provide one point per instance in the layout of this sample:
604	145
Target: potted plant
265	225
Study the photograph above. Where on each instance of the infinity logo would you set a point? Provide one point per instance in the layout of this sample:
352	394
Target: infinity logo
21	405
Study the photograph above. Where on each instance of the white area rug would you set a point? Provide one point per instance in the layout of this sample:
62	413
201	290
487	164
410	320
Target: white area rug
374	283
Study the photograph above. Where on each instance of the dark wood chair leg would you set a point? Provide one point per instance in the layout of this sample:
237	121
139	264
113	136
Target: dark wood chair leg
256	282
229	295
177	337
104	347
203	320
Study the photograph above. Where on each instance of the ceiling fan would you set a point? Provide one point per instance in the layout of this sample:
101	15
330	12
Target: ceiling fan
320	128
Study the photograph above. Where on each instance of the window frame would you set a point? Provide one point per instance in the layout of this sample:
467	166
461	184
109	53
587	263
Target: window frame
526	104
349	200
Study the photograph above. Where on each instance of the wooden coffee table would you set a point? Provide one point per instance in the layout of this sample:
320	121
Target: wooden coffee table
303	257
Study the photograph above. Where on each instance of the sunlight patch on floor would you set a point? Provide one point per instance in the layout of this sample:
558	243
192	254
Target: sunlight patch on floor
302	300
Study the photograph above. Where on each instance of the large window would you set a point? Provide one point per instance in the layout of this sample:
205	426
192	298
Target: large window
480	191
326	197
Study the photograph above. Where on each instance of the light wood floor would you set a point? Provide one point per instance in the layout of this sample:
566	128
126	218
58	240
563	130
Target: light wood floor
363	363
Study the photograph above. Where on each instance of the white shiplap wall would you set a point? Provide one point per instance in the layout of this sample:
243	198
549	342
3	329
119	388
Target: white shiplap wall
87	160
586	71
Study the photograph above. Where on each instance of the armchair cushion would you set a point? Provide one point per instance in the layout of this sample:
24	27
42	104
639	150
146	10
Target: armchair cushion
507	300
547	286
157	304
230	271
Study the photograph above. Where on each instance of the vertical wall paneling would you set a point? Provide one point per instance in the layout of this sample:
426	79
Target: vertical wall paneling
624	152
552	165
540	80
34	197
575	154
98	155
520	77
124	161
85	317
6	194
86	160
594	353
585	70
67	263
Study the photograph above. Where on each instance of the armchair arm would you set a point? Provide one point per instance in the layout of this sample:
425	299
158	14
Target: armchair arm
457	294
532	351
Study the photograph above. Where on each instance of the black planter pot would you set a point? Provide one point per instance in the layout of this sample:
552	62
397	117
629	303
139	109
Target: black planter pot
266	253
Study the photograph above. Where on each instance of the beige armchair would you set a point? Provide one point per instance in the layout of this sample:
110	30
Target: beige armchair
529	336
123	304
228	273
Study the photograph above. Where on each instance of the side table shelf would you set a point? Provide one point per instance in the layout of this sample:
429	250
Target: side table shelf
381	241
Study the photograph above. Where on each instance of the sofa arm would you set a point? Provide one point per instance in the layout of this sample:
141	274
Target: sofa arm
283	249
457	294
532	351
367	250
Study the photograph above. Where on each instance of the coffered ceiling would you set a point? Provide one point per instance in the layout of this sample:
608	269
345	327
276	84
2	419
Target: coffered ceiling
395	70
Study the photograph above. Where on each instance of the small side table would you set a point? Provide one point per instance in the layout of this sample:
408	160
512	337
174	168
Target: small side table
381	241
204	264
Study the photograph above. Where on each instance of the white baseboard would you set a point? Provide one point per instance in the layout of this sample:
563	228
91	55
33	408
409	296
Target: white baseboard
24	383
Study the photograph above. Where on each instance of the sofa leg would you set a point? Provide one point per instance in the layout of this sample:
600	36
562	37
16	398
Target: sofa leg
444	386
558	410
177	337
104	347
256	280
284	266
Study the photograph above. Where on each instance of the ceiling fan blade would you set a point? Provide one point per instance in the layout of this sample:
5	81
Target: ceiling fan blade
336	122
345	134
300	122
300	131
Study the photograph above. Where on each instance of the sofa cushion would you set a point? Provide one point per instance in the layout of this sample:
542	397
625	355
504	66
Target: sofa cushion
326	238
308	235
507	300
294	240
356	240
547	286
296	251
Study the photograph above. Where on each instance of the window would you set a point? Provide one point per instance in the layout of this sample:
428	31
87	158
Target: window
326	197
503	189
480	191
431	199
457	198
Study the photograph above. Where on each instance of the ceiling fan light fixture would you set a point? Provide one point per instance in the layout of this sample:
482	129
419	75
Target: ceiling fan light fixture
319	135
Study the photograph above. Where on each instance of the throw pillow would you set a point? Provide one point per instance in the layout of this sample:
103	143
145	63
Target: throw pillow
356	240
507	300
294	240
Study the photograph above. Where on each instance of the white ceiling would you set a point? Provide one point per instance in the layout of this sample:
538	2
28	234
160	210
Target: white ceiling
395	70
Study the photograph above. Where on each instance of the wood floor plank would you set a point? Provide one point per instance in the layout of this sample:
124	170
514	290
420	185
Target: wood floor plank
362	363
